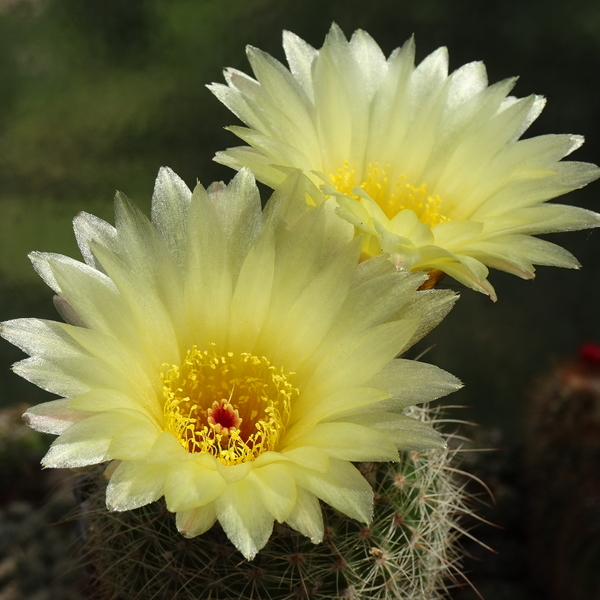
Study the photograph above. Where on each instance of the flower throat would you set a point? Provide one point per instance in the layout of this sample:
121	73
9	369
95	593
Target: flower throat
232	406
391	198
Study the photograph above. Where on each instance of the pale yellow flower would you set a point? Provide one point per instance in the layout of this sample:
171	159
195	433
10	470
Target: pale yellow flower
232	360
428	166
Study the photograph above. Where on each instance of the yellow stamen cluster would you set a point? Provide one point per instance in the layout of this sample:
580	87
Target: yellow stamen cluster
232	406
392	199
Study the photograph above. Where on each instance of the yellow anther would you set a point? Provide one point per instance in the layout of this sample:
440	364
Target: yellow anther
232	406
392	199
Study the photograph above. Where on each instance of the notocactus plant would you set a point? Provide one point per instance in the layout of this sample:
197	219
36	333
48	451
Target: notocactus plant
408	551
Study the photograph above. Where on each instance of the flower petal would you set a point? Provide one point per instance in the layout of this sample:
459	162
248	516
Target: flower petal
277	489
134	484
170	205
411	382
306	517
343	487
244	517
53	417
188	486
405	432
90	229
196	521
87	442
349	441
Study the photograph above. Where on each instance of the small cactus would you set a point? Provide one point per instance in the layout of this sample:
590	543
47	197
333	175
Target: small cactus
563	480
408	552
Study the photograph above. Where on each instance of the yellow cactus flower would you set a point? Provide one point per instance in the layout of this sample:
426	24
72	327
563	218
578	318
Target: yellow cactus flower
428	166
232	360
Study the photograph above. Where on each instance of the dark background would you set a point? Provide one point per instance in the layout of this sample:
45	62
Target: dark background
97	95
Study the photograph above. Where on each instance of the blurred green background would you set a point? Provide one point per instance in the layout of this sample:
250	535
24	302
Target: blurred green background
97	95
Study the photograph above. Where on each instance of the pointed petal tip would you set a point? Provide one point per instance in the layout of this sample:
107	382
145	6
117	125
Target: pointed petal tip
166	173
185	533
485	287
289	35
249	554
335	33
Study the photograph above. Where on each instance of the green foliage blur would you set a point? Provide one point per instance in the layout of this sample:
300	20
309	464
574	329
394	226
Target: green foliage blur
96	95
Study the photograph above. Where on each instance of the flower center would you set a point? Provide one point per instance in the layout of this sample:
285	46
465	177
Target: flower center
391	198
232	406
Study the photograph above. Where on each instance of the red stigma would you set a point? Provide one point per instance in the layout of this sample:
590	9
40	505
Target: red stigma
223	417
